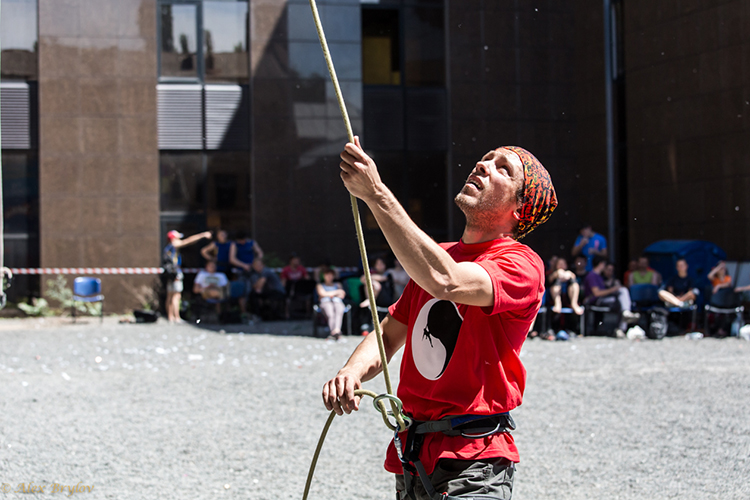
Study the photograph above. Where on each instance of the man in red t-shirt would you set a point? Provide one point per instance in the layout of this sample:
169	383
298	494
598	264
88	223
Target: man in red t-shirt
462	320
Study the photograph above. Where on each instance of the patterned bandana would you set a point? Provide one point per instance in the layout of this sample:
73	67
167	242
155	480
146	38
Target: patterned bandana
539	199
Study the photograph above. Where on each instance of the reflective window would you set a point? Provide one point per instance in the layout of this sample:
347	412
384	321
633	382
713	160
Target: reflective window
210	187
227	182
19	38
424	47
225	39
181	180
20	193
381	59
179	40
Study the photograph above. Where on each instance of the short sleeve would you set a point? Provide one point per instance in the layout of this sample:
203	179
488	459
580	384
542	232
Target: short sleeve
200	277
400	310
517	281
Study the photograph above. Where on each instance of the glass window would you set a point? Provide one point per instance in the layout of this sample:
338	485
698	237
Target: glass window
424	47
426	197
20	193
179	40
225	39
227	181
19	38
380	47
181	180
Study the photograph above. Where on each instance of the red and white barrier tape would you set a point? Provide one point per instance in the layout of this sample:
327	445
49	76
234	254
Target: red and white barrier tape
115	270
87	270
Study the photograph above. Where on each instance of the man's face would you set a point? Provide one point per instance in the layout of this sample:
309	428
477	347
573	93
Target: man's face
609	271
294	262
380	266
221	236
210	267
489	195
682	267
587	232
643	264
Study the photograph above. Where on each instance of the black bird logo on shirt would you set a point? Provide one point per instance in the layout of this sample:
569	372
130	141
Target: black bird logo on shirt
434	337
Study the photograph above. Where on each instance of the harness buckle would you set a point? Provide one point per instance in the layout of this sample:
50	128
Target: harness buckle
376	402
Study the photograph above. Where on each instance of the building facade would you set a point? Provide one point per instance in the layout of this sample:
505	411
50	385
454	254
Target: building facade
124	119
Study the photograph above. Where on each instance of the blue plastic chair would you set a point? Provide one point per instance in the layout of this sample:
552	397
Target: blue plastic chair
86	289
644	297
546	310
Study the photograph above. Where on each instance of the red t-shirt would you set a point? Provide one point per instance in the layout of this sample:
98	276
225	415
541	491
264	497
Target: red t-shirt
461	359
294	274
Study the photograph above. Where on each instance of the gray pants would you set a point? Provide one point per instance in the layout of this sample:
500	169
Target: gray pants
622	298
492	476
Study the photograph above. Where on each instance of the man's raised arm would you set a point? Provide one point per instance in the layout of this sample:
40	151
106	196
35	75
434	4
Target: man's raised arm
426	262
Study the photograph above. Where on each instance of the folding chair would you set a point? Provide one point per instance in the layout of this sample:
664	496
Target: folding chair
300	293
545	314
87	289
724	301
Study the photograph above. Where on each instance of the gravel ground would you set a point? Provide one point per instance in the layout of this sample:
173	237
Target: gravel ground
153	411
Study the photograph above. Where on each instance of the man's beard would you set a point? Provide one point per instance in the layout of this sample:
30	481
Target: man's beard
481	213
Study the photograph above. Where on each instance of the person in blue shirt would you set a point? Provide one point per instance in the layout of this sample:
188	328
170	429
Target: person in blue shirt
218	251
590	244
242	253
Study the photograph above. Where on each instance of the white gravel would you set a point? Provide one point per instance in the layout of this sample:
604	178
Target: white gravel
153	411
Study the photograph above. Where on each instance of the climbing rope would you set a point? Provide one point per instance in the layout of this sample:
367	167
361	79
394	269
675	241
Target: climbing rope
401	421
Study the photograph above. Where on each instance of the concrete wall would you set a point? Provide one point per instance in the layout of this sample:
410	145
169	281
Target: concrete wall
98	168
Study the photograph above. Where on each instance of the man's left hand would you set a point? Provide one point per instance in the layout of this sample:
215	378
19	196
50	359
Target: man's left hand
359	172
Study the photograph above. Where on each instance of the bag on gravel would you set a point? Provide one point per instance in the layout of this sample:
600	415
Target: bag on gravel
657	324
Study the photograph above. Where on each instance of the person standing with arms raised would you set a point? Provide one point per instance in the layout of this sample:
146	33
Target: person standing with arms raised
461	320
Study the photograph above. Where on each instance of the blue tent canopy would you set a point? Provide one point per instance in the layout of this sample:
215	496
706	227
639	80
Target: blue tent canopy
701	257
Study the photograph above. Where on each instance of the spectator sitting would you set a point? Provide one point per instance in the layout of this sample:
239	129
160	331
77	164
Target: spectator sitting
242	253
218	251
719	277
632	266
609	276
211	285
321	270
590	245
614	297
579	267
382	285
293	272
399	278
643	274
680	290
267	294
561	280
331	297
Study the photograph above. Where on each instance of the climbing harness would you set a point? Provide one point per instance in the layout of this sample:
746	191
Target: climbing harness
468	426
